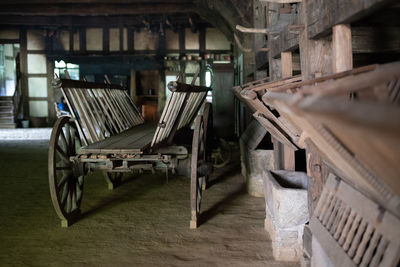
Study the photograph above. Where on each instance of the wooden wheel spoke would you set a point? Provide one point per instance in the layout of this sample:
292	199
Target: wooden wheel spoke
78	192
64	140
67	133
74	204
63	168
69	202
63	180
64	194
80	181
63	155
74	139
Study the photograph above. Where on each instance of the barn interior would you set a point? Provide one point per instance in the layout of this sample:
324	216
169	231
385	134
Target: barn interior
243	133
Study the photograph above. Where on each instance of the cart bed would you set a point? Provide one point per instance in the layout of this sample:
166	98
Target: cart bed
134	140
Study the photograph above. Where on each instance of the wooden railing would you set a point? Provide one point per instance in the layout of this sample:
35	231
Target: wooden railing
100	110
180	110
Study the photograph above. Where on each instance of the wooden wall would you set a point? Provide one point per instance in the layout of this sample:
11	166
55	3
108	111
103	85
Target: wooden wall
135	48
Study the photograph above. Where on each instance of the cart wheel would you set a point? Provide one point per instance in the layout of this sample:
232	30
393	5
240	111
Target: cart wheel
65	176
113	179
200	166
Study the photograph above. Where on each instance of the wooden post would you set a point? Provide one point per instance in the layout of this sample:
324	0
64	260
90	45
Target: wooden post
23	57
287	64
342	48
288	157
315	55
133	86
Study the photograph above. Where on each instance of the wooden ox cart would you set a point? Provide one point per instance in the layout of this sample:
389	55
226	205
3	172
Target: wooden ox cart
106	131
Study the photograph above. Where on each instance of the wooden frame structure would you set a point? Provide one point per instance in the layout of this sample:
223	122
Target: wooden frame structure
320	112
116	140
348	124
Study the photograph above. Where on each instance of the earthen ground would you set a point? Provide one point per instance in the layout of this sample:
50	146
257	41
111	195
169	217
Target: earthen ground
144	222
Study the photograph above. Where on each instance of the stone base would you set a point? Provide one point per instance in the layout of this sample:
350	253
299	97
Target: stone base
287	244
254	164
255	185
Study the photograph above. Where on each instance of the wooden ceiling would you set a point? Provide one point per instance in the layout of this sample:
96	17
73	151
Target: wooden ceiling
223	14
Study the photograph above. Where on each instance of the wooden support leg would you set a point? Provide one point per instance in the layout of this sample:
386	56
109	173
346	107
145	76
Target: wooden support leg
278	165
288	158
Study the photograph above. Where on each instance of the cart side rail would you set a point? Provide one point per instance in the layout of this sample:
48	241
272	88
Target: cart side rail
180	110
100	110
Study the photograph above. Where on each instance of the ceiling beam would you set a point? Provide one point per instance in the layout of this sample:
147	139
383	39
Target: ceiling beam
96	21
97	9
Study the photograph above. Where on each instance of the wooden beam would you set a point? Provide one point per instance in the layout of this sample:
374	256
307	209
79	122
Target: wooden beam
342	52
375	39
131	44
106	40
75	84
82	40
97	9
183	87
202	41
281	1
288	156
24	72
285	40
315	55
181	41
90	21
121	38
324	14
255	30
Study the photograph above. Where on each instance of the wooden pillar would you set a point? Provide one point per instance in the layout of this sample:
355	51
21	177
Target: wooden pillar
106	40
23	57
315	55
133	86
50	92
288	157
287	64
182	48
342	52
161	93
315	61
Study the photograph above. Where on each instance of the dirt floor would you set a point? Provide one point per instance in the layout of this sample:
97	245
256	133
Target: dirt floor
144	222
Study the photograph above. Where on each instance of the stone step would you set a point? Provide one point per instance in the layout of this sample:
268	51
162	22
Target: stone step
7	119
6	104
8	125
6	107
6	113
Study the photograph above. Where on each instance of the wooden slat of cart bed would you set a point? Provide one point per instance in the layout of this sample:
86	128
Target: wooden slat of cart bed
134	140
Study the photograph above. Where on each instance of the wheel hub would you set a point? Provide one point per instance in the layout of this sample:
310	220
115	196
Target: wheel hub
79	169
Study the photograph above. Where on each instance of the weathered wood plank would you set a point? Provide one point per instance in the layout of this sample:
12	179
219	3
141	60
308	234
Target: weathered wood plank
322	15
121	140
375	39
287	64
